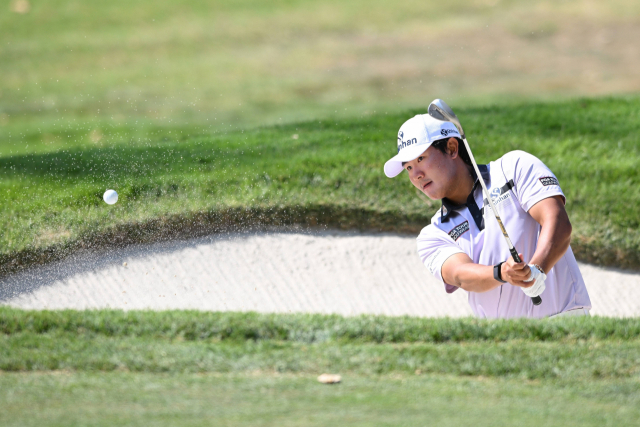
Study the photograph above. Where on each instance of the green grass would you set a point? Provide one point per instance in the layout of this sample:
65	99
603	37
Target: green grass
309	328
191	342
180	182
96	64
272	399
160	100
110	367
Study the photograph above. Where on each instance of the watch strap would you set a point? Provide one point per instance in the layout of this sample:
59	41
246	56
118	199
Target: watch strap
497	272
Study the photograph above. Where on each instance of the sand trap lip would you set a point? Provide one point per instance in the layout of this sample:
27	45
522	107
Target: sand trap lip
273	272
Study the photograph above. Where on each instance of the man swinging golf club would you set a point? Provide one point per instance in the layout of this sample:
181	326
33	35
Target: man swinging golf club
502	233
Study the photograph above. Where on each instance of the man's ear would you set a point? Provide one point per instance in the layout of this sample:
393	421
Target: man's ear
452	147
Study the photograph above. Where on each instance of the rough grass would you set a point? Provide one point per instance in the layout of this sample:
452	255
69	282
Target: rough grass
310	328
327	173
182	341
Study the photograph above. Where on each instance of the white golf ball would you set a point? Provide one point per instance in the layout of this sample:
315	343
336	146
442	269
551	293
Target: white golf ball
110	196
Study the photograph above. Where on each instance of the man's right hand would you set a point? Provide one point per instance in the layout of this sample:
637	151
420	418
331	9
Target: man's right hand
516	273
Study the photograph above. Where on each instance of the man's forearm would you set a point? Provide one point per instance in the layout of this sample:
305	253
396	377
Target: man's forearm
552	245
555	235
474	277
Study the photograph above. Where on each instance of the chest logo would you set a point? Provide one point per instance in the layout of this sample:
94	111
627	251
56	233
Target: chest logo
549	180
500	194
459	230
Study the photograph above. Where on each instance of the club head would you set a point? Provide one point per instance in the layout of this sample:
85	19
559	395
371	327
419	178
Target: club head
438	109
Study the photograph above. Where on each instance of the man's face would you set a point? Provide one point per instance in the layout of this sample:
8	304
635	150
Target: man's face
432	173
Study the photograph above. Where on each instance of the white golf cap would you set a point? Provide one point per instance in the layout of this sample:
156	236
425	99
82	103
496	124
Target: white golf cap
414	137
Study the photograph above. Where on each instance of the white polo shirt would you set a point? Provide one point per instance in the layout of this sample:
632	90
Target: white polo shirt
516	182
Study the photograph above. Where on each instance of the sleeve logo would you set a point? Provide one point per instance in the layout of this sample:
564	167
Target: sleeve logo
549	180
430	262
459	230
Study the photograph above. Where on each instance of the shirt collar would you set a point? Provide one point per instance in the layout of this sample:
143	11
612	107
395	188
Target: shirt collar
448	206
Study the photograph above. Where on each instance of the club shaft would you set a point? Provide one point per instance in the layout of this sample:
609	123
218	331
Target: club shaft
490	201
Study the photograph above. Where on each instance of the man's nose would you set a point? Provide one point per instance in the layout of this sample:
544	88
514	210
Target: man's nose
416	173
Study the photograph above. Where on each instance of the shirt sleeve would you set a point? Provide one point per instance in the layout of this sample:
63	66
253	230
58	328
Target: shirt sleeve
533	180
434	248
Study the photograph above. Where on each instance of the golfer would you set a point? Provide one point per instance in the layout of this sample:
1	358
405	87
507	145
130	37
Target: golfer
464	247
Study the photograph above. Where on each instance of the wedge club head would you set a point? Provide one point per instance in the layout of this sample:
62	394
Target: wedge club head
438	109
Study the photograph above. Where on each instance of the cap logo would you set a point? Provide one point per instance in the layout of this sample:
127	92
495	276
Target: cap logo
446	132
408	142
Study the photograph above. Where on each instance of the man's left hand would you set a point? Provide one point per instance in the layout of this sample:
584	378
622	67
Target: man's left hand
538	278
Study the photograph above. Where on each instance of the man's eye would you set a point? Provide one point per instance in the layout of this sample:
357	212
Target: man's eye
408	168
420	158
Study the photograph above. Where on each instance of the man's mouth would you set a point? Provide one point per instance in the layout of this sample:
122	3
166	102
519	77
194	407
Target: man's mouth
424	186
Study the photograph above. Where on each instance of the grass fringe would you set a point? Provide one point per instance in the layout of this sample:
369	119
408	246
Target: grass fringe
311	328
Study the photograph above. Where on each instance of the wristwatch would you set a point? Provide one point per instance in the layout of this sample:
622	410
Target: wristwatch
497	272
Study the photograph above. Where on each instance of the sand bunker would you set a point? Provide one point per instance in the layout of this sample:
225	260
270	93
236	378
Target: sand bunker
273	272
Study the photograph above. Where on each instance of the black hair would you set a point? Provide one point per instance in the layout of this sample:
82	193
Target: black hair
441	145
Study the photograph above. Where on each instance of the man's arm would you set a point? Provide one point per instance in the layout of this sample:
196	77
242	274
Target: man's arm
555	235
459	270
555	232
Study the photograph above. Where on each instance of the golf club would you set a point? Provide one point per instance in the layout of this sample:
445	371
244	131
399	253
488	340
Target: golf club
439	110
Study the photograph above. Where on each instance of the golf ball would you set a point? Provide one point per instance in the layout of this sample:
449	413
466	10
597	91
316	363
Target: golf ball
110	197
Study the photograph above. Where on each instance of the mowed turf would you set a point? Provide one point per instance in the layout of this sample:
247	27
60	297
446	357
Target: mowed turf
326	172
275	399
160	368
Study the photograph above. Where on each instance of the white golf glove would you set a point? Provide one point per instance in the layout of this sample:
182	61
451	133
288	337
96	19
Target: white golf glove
538	286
